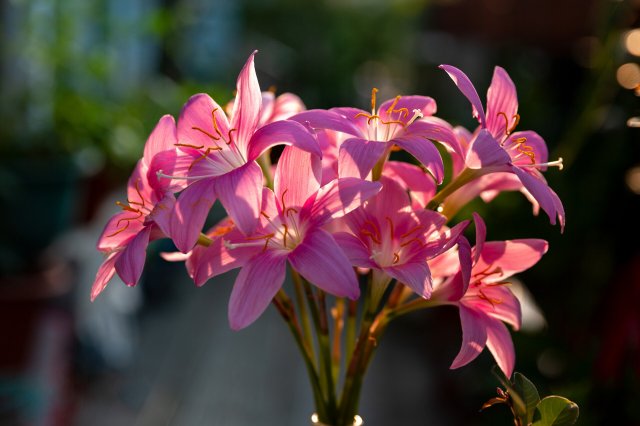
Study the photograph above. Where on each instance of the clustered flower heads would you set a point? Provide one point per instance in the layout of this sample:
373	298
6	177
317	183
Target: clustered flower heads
335	207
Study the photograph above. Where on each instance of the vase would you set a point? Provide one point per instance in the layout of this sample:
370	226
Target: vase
315	421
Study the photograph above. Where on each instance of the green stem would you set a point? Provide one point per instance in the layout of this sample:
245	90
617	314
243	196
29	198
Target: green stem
304	316
285	308
466	176
338	325
350	334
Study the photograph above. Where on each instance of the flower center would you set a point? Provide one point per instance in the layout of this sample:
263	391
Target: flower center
388	251
384	130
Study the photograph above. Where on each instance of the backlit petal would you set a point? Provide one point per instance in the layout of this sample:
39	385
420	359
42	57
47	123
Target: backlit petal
466	87
323	119
485	151
190	212
257	283
130	263
501	346
104	275
474	336
284	132
502	103
416	275
358	156
246	108
240	192
510	256
425	152
297	177
339	198
320	260
355	250
162	138
545	196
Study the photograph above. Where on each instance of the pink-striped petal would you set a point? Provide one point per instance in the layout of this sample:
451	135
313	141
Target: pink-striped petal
501	346
131	262
358	156
190	212
104	274
481	236
119	230
420	185
163	212
466	87
545	196
284	132
425	152
330	120
511	256
197	117
339	198
240	192
474	336
436	129
531	143
320	260
162	138
246	108
297	178
358	254
218	258
416	275
502	104
485	152
257	284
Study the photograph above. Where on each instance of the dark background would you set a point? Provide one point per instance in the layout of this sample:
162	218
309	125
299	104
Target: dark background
83	83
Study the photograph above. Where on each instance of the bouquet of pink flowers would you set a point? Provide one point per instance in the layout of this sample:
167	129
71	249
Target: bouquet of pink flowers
365	238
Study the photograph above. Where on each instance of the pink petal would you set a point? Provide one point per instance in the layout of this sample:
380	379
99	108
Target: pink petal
358	156
130	263
323	119
501	346
339	198
240	192
190	212
464	254
162	138
474	336
425	152
163	212
436	129
286	105
284	132
510	256
501	99
246	108
104	275
404	106
218	258
412	178
466	87
120	229
485	151
198	113
297	178
391	199
545	196
320	260
508	309
416	275
527	141
257	283
358	254
481	236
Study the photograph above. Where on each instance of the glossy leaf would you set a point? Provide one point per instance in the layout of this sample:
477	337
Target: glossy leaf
557	411
529	395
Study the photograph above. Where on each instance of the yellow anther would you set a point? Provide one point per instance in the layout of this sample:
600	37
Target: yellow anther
373	100
396	258
229	135
203	131
393	105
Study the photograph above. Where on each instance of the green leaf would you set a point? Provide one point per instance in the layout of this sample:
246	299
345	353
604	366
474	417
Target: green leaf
557	411
529	395
518	403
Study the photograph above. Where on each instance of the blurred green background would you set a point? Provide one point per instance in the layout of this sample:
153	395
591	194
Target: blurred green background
83	83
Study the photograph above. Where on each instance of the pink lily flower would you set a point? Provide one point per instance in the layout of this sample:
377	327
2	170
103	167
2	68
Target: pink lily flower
144	218
487	186
484	299
404	122
218	156
390	237
496	148
290	230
